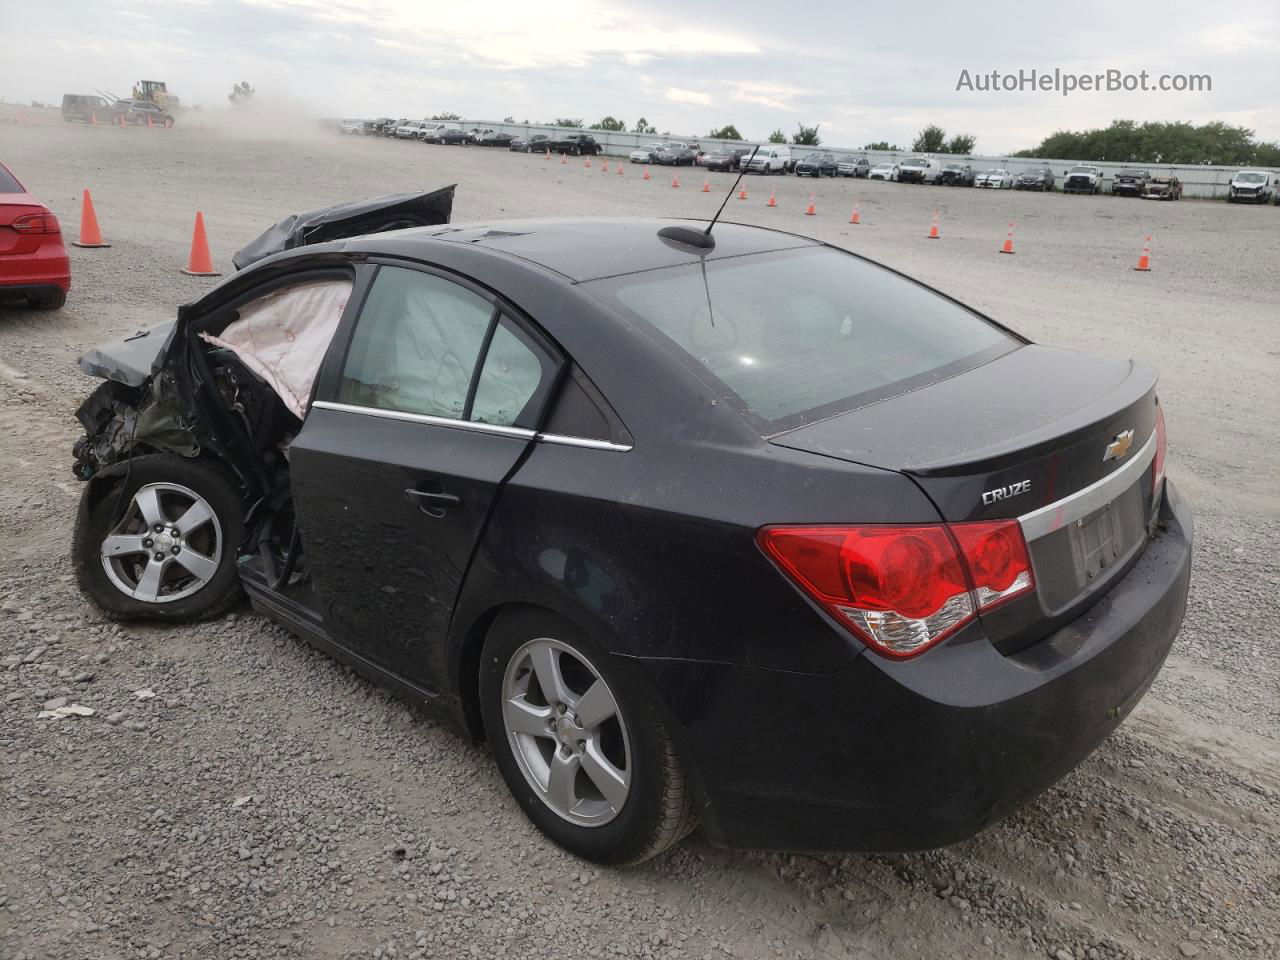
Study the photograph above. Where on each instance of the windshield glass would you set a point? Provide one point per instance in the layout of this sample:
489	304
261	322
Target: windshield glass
1132	173
913	162
1251	178
796	337
1082	169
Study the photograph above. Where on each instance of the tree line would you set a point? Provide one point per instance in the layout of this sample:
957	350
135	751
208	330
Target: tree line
1126	141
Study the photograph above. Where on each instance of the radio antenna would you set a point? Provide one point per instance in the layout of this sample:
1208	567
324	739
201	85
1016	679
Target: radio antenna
742	168
702	238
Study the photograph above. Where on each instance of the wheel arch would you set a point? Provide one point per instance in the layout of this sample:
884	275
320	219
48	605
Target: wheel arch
467	643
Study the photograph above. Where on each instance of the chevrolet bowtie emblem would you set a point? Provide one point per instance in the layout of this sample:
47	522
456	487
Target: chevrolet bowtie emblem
1119	446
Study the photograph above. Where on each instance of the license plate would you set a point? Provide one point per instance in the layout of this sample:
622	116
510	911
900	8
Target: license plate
1096	543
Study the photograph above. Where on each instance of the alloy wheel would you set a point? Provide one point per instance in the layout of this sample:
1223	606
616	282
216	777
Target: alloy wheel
566	732
167	545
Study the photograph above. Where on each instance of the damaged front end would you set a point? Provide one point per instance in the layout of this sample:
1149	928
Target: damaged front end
134	408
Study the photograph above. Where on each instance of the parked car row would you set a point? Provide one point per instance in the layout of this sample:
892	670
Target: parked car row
1247	186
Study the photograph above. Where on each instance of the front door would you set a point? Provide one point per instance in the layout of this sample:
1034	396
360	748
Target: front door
399	462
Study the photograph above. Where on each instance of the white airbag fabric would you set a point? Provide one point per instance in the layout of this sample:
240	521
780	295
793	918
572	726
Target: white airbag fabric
283	336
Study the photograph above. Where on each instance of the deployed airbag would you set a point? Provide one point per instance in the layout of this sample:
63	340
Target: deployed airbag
283	336
392	212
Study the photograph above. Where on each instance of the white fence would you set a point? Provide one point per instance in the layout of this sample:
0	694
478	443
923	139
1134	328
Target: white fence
1197	181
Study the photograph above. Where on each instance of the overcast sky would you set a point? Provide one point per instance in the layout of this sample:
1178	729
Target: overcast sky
865	71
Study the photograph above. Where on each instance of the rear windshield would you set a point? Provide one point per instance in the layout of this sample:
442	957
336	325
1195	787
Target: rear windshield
8	184
794	337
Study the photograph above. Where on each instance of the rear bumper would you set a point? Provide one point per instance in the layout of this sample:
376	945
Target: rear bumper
47	266
889	756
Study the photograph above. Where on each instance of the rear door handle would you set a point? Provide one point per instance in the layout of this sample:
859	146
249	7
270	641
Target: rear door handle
431	503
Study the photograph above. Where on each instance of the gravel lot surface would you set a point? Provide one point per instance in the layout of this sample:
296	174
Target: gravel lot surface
236	794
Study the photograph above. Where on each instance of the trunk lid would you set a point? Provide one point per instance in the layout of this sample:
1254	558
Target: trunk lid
1059	440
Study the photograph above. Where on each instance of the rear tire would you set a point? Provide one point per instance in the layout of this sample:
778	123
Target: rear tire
537	734
51	299
195	577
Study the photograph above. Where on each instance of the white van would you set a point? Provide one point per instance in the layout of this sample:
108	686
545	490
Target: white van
919	170
771	158
1251	186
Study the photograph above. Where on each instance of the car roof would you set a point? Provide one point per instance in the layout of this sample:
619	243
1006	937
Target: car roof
586	249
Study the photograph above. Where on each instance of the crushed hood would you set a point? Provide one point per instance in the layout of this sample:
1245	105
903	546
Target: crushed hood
130	361
392	212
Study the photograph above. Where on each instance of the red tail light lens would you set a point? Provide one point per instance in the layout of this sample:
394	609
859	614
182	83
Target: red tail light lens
33	223
996	555
903	589
900	589
1157	465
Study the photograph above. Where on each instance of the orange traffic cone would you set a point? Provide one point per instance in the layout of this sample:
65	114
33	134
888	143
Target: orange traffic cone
810	210
706	184
675	181
855	217
563	159
586	163
149	123
90	235
646	173
742	194
93	118
1008	241
1144	261
933	230
620	173
201	263
548	155
604	166
773	201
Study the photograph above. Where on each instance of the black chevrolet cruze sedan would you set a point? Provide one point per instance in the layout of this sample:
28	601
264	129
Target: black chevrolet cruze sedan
760	534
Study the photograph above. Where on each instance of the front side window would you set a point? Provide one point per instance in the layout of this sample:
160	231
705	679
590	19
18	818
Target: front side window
418	345
415	345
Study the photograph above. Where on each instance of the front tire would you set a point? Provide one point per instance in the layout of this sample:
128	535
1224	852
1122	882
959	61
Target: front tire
583	751
161	544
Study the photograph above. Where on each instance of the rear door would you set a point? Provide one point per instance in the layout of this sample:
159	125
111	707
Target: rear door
403	453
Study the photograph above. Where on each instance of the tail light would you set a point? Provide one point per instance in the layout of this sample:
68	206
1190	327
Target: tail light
903	589
1157	465
33	223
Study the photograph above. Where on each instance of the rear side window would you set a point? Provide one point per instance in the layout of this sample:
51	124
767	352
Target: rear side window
514	378
8	184
790	338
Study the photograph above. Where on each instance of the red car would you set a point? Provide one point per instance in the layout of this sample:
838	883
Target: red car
33	259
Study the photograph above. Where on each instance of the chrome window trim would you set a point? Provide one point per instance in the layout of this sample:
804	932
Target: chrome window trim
520	433
1055	516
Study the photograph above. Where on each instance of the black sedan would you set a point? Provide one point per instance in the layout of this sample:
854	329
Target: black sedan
1130	182
1035	178
722	159
742	528
538	143
816	165
494	139
674	155
577	144
956	175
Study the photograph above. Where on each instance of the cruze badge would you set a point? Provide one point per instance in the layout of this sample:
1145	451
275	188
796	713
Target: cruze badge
1004	493
1119	446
